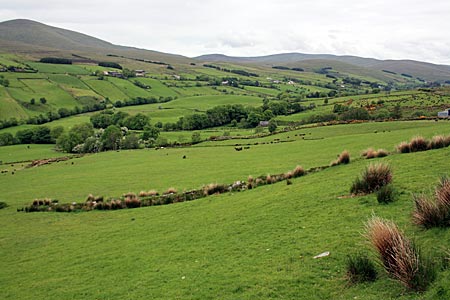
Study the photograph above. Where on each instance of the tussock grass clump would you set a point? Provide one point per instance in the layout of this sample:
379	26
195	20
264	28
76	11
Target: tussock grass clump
360	269
437	142
435	212
214	188
399	256
298	171
372	179
343	158
152	193
369	153
418	143
132	202
170	190
386	194
382	153
403	147
143	194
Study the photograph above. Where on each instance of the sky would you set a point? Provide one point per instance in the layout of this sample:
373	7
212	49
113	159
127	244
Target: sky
383	29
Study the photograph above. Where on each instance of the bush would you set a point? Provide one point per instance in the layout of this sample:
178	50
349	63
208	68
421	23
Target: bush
3	204
434	212
386	194
399	256
372	179
360	269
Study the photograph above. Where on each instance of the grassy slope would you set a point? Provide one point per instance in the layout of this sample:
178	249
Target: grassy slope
253	245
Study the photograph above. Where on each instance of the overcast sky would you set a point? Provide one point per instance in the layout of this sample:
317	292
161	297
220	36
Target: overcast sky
385	29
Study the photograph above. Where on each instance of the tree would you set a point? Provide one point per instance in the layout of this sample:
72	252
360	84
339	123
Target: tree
136	122
196	138
32	101
397	112
111	138
41	135
43	100
76	136
131	141
272	126
56	132
150	132
6	139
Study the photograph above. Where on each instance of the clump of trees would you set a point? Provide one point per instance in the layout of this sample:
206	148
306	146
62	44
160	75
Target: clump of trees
108	64
37	135
56	60
108	117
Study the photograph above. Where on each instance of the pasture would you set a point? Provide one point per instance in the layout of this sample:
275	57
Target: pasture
258	243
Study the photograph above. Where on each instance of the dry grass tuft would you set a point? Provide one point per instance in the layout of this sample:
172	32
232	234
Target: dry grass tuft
434	212
400	257
372	178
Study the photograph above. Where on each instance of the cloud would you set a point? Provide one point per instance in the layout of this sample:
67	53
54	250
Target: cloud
379	28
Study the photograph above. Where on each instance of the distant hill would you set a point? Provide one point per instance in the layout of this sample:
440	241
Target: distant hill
31	37
417	69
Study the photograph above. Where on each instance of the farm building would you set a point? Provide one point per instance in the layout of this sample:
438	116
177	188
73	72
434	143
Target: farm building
444	113
139	73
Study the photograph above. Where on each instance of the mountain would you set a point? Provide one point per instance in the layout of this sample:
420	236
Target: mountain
423	70
37	39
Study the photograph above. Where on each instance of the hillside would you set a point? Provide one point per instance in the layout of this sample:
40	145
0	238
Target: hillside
34	38
423	70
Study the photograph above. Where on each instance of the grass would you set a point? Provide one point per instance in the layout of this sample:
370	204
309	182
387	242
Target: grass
247	243
434	212
400	257
372	178
58	69
19	153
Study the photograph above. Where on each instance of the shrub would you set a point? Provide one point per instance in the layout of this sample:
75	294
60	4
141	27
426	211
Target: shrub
399	256
372	179
360	269
386	194
403	147
434	212
418	143
3	204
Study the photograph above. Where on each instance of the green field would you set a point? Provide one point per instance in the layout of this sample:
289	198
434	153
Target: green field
58	69
256	244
